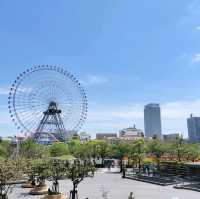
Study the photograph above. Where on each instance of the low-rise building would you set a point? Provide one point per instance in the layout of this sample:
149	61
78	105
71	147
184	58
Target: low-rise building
106	136
18	139
84	137
44	138
170	137
9	139
131	133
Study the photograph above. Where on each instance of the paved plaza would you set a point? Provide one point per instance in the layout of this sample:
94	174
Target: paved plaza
116	188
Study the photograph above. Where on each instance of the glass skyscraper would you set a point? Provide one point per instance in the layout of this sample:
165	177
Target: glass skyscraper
193	124
152	120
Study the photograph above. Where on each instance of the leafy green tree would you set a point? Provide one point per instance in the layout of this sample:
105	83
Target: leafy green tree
132	155
3	152
4	149
29	149
29	170
76	172
9	171
57	169
94	148
178	148
58	149
73	146
41	169
103	150
157	148
119	150
192	152
83	151
139	147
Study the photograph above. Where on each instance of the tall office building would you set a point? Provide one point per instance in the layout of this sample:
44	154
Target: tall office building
152	120
193	124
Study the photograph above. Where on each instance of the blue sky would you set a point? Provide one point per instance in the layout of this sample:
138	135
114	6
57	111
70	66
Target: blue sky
126	53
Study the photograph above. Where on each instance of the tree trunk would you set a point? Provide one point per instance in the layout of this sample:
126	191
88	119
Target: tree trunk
94	161
121	166
74	191
102	161
158	165
139	164
3	196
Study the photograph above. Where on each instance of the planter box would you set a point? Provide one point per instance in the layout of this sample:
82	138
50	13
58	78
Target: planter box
57	196
3	197
27	185
39	190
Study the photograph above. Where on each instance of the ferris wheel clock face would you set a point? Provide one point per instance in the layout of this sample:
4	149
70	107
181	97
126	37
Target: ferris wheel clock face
36	89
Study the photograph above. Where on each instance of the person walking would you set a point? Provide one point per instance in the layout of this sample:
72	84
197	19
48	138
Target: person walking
131	196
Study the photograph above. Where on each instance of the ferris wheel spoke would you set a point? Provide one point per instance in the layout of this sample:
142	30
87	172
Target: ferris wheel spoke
25	103
32	121
28	119
29	109
25	113
30	125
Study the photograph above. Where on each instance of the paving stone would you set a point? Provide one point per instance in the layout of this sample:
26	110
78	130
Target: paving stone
115	187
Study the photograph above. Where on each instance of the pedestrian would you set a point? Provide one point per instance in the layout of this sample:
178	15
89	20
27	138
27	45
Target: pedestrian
131	196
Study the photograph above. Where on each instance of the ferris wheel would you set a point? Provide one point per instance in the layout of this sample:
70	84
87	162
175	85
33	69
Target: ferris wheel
47	99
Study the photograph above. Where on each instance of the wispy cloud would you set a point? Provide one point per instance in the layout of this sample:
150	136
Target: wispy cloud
91	80
114	118
196	58
189	59
170	110
198	28
180	110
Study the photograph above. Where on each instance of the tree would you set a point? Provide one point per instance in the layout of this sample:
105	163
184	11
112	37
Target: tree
57	169
73	146
29	170
58	149
76	172
4	149
41	169
178	148
103	150
83	151
29	149
139	147
9	171
119	150
132	157
94	149
192	152
157	148
3	152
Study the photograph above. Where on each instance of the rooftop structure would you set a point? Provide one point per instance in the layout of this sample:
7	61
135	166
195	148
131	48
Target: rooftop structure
131	133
